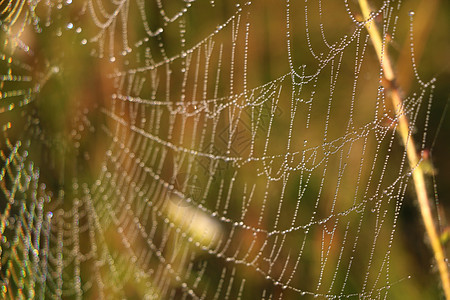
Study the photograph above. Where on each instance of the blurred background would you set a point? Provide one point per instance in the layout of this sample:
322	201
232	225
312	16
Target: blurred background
218	150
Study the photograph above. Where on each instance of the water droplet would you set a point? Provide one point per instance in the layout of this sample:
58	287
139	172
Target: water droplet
84	41
69	26
411	13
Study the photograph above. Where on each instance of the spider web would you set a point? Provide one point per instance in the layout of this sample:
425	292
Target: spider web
213	150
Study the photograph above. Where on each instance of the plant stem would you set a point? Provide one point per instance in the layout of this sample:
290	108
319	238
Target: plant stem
411	152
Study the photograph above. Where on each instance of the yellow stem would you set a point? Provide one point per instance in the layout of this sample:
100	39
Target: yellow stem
411	151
